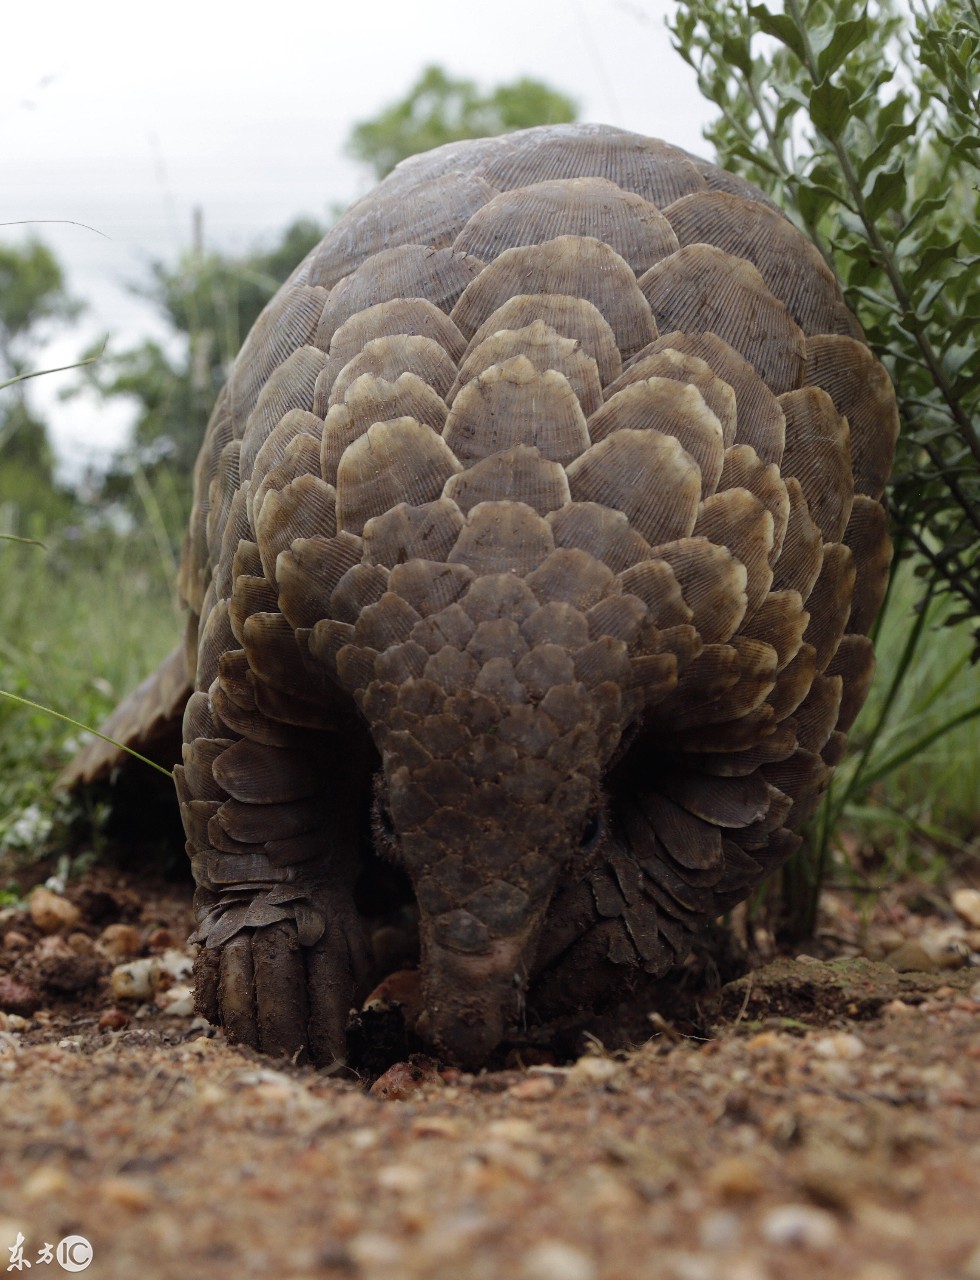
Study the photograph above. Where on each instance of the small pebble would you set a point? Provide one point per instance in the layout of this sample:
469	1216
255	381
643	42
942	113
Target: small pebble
402	1178
911	957
127	1193
120	941
161	940
371	1250
720	1230
362	1139
595	1068
533	1089
435	1127
15	941
799	1224
10	1045
521	1133
52	945
113	1020
47	1183
18	997
173	965
966	904
555	1260
736	1178
405	1078
840	1045
899	1007
177	1000
51	912
133	981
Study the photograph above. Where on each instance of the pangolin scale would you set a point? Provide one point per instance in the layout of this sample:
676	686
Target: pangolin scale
536	537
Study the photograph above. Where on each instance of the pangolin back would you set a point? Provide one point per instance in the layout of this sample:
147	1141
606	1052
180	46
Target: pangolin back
548	489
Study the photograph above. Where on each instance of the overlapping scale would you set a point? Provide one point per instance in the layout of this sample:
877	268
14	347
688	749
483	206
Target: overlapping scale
594	207
792	268
512	404
652	169
575	266
387	358
570	317
546	349
703	289
408	271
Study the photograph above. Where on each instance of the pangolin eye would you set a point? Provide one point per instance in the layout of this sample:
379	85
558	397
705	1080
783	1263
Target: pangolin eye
592	832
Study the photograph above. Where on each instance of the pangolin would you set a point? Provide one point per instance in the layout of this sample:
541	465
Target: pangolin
536	537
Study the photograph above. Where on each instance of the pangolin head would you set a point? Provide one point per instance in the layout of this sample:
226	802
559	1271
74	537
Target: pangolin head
493	755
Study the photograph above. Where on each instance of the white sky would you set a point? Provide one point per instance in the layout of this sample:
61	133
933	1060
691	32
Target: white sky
125	116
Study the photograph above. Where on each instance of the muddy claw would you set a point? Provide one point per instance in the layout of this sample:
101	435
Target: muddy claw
288	1000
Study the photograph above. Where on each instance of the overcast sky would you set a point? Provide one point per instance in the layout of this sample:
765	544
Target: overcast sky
124	117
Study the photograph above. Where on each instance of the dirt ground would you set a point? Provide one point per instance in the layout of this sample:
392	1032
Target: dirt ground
817	1117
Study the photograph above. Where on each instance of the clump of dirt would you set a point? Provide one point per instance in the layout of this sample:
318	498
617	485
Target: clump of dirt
807	992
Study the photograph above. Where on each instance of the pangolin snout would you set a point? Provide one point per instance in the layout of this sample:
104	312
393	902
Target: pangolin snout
472	1000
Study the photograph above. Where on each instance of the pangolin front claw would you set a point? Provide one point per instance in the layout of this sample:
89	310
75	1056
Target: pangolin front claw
274	994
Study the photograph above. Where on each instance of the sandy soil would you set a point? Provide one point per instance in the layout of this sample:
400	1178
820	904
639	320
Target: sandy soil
818	1117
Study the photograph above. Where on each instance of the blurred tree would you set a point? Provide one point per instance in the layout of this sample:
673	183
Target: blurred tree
439	108
32	294
210	301
32	291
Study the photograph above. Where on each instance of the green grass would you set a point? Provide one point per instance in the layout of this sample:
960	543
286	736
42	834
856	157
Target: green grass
903	804
912	782
83	618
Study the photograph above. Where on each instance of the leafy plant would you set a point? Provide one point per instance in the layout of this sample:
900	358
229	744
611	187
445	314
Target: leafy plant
866	130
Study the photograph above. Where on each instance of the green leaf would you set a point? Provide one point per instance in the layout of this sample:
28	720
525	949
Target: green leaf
889	191
782	27
736	52
847	36
890	139
812	201
830	108
923	210
932	256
